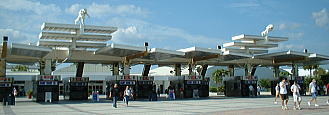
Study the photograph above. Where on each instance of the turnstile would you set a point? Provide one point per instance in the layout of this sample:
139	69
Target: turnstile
122	81
46	88
145	86
192	84
239	85
196	83
6	88
245	87
76	88
204	89
176	83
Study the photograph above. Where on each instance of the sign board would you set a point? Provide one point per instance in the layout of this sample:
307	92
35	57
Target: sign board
250	82
145	78
48	82
79	79
5	84
193	82
145	82
193	78
249	78
5	79
79	83
48	77
127	77
127	82
299	79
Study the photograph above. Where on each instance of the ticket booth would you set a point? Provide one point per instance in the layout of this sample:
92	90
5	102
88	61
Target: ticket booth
76	88
192	83
177	82
246	82
204	89
46	88
145	86
6	88
127	80
239	85
233	86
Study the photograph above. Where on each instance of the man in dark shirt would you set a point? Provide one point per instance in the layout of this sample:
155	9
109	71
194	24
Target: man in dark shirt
115	95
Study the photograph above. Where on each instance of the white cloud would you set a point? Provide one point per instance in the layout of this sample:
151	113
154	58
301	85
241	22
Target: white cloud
132	30
249	3
17	36
102	10
288	26
321	17
287	46
21	19
137	30
26	5
296	35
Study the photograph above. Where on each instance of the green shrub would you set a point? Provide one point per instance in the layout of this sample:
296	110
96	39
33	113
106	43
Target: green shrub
221	89
213	89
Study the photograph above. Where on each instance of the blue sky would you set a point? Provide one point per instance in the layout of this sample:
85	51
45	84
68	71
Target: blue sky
176	24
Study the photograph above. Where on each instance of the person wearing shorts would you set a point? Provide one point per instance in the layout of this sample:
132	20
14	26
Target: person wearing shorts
284	93
295	88
313	91
277	92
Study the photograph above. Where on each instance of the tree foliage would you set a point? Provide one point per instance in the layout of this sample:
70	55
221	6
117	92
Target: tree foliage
284	74
218	75
20	68
265	83
319	71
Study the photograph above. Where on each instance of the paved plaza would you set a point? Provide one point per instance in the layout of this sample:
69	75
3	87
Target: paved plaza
208	106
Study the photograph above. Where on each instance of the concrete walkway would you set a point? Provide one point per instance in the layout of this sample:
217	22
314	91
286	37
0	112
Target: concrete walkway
209	106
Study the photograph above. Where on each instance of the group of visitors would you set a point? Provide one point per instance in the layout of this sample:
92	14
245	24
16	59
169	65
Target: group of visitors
252	90
115	95
282	91
127	94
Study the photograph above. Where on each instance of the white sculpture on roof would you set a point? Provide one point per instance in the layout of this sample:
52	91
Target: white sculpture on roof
81	17
267	30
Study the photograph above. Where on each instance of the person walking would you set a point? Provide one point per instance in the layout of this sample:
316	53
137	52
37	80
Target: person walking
277	92
171	92
283	93
258	90
181	92
158	92
251	90
127	94
115	95
295	88
313	91
328	93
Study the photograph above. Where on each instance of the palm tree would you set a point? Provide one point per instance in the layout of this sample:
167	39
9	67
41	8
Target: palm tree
319	71
284	74
218	75
20	68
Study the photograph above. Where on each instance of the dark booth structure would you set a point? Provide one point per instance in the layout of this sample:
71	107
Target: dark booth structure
6	89
239	86
76	88
46	88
